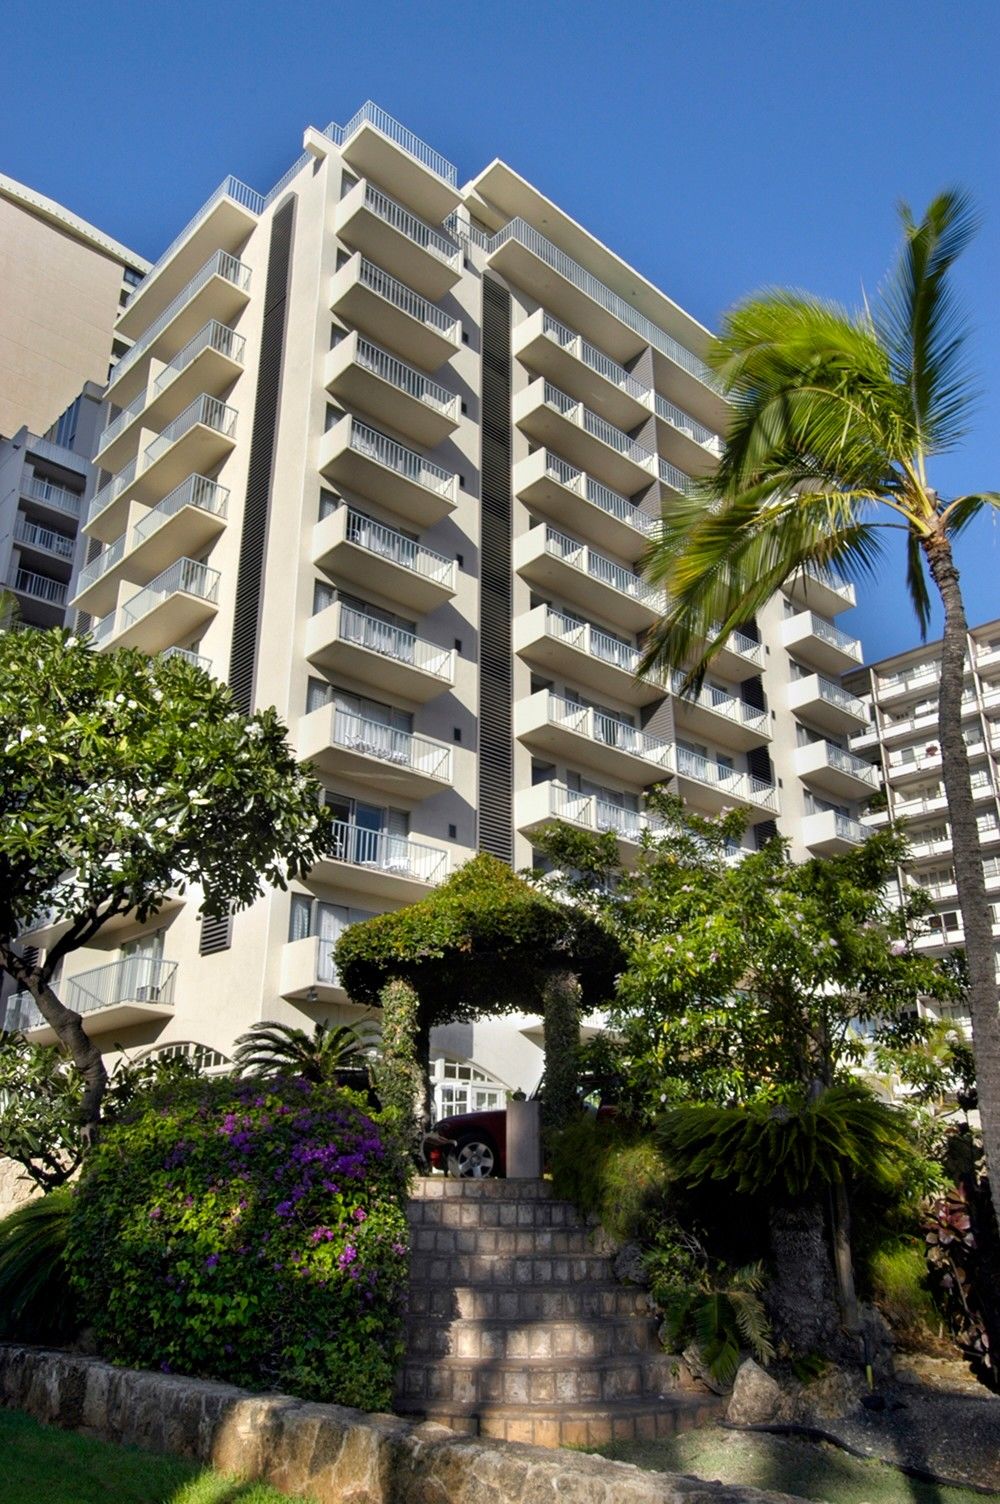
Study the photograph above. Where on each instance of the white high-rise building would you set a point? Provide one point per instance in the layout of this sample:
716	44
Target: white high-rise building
387	453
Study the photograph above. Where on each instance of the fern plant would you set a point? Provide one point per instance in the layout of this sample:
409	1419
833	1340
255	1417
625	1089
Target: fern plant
723	1316
35	1300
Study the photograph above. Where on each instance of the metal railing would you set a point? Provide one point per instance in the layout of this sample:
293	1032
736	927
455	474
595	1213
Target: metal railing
135	979
214	336
33	536
184	575
617	506
230	187
376	538
824	575
671	476
404	749
394	642
197	491
848	829
112	490
685	424
121	421
598	567
52	495
409	225
221	264
104	628
203	410
39	587
394	855
197	660
846	762
835	695
827	632
405	377
406	462
716	775
406	300
526	235
594	813
591	640
721	703
371	114
97	568
594	358
747	647
599	726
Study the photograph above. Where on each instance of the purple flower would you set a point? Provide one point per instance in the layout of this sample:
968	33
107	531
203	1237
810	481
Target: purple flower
359	1214
399	1249
348	1256
155	1214
284	1208
322	1235
211	1261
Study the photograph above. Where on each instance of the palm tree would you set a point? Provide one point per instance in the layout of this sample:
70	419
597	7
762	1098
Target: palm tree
835	418
274	1049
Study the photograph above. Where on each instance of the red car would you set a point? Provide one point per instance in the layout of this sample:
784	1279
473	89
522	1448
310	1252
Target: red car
480	1138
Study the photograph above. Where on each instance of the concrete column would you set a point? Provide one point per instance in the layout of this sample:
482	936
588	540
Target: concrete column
524	1141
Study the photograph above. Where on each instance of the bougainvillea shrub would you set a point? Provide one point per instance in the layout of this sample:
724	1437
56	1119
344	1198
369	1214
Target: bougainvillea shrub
252	1231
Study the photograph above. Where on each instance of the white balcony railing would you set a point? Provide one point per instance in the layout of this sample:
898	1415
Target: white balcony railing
214	336
39	587
560	546
676	479
591	640
111	490
205	410
599	428
846	762
835	695
848	829
719	703
106	559
404	749
393	642
372	114
685	424
394	855
52	495
715	775
406	462
408	224
406	300
33	536
136	979
221	264
389	544
597	814
599	495
610	731
406	378
197	660
186	576
197	491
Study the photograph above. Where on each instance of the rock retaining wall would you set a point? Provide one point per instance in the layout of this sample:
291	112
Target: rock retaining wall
15	1187
337	1456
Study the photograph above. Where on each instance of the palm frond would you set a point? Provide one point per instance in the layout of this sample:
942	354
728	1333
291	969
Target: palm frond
960	512
916	582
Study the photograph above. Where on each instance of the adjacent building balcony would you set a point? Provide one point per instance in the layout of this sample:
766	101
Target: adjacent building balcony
371	222
582	736
720	717
554	562
826	704
183	524
33	539
210	362
820	644
584	655
373	861
562	493
829	833
375	654
840	774
131	991
379	756
817	589
377	146
178	603
47	597
381	305
220	290
551	417
58	500
364	375
921	681
366	553
538	806
372	464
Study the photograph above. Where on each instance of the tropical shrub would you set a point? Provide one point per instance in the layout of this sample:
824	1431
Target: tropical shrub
963	1260
611	1171
251	1231
897	1274
36	1304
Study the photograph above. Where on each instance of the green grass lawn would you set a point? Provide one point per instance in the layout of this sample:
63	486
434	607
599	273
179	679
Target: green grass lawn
805	1469
41	1463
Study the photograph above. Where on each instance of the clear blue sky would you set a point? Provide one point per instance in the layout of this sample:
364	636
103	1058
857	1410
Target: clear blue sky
718	145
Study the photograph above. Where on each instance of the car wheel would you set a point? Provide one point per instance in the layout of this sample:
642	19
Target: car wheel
474	1158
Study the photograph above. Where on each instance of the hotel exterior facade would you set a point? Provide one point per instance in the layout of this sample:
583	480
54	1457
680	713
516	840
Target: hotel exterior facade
387	453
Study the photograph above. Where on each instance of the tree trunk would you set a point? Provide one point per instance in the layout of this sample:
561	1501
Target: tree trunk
967	857
843	1264
802	1296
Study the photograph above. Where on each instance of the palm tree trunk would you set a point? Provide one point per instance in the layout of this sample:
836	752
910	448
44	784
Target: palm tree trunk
969	877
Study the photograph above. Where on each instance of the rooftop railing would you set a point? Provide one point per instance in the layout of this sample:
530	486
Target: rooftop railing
408	224
406	462
33	536
197	491
405	299
394	642
371	114
205	410
187	576
389	544
404	749
52	495
394	855
39	587
406	378
221	264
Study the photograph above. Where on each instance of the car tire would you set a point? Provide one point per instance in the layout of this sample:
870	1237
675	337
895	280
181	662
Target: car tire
473	1158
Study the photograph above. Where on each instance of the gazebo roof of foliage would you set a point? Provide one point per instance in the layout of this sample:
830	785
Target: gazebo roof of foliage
483	942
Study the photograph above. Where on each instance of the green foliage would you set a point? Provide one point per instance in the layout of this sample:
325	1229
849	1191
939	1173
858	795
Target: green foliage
561	1019
897	1273
962	1246
609	1170
398	1080
35	1300
252	1231
275	1049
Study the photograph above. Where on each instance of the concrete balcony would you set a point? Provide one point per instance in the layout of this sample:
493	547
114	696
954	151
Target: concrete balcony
396	762
375	557
590	738
816	589
178	603
210	362
987	660
35	542
373	861
308	974
680	438
820	644
829	833
371	222
711	786
537	807
572	363
220	291
364	375
827	705
739	657
560	422
57	500
927	761
377	146
825	766
370	463
183	524
925	804
377	655
720	717
553	561
45	596
223	222
132	991
584	655
380	305
920	683
562	493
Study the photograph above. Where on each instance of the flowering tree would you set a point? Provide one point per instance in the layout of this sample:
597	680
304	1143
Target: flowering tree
123	777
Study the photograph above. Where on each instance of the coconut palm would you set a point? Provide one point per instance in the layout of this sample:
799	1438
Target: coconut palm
274	1049
836	416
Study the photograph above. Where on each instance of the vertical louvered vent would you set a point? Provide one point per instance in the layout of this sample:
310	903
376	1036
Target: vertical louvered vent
246	616
496	720
764	832
759	764
752	693
216	935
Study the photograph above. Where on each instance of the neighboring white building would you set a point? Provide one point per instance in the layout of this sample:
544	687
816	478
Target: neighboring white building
386	453
901	694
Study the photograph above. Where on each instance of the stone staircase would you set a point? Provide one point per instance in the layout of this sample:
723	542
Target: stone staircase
518	1328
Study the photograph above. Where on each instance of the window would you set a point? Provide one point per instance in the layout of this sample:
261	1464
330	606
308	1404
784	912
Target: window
313	918
324	595
459	1086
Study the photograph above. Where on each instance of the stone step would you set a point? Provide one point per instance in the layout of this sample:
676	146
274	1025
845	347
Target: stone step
457	1211
444	1187
509	1269
603	1337
583	1425
512	1240
524	1303
535	1381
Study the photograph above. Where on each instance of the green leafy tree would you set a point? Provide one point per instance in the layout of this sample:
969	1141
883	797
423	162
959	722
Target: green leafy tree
836	419
125	777
276	1049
